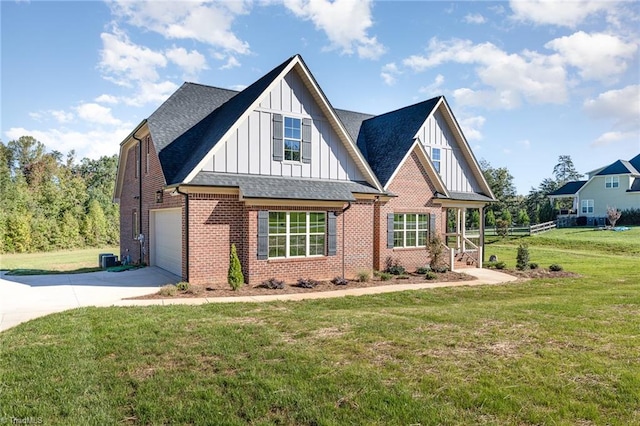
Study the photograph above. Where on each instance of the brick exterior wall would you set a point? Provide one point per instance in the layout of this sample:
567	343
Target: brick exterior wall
415	192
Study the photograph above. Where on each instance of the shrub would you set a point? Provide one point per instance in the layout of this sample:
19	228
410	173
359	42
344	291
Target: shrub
533	265
441	269
436	252
307	283
364	276
502	227
430	275
182	286
613	215
581	221
423	270
522	258
234	276
500	265
385	276
339	281
194	290
168	290
630	217
394	267
272	284
555	267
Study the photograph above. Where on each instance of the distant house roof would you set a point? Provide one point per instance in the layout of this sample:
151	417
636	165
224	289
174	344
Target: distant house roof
620	167
569	188
385	139
182	155
255	186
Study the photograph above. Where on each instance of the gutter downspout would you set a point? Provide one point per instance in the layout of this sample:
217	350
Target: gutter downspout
140	238
343	236
186	230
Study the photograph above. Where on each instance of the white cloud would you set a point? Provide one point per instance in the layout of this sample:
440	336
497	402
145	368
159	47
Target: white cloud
191	62
203	21
232	62
389	73
471	126
433	89
107	99
509	78
561	13
98	114
599	56
150	92
93	144
345	22
525	143
62	116
622	107
123	61
474	18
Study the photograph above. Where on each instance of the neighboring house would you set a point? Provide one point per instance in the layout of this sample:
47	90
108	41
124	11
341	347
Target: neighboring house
302	189
616	185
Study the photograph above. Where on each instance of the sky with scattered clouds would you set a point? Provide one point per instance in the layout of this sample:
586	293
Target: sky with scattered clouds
527	80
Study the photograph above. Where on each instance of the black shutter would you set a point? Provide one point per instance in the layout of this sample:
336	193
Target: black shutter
306	140
390	230
278	148
432	226
331	234
263	234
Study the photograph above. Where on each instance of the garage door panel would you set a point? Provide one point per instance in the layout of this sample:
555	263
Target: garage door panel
168	240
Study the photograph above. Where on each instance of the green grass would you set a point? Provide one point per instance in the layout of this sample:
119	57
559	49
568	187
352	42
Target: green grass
561	351
64	261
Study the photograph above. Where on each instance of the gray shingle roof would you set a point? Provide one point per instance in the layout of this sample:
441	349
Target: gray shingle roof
635	186
275	187
620	167
465	196
183	154
569	188
385	139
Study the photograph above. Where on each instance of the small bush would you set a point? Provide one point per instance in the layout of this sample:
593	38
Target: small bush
500	265
168	290
307	283
502	227
394	267
234	275
423	270
194	290
182	286
533	265
441	269
555	267
272	284
436	252
385	276
522	258
430	275
339	281
364	276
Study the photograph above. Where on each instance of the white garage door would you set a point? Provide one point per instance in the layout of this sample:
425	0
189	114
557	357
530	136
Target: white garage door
167	240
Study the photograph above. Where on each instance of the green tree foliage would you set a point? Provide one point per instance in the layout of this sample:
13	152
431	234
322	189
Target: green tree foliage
490	218
51	202
235	277
523	218
565	171
522	257
473	219
501	183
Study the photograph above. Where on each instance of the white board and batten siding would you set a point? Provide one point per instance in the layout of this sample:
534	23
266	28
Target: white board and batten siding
454	168
249	149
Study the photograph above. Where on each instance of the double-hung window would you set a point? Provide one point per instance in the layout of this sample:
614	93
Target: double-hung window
435	158
587	206
292	138
296	234
612	181
410	229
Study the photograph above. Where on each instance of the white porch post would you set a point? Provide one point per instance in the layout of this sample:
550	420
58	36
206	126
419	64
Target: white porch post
463	224
458	229
481	241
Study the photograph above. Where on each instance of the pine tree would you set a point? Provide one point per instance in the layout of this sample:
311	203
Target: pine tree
235	277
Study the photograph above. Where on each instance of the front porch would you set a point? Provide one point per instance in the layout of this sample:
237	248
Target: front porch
464	236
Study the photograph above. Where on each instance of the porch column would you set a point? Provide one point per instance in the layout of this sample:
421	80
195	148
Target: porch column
463	224
481	241
458	228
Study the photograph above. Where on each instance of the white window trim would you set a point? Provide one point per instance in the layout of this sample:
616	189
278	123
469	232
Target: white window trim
417	230
587	204
437	164
611	182
308	233
285	138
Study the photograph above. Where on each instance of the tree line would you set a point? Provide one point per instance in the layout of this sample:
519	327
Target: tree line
51	201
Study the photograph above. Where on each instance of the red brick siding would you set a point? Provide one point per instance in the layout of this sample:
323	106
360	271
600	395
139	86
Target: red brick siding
415	192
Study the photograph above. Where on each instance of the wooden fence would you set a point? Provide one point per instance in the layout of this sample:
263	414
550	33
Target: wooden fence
521	230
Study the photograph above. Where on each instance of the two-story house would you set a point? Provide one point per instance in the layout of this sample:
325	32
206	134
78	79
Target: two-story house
302	189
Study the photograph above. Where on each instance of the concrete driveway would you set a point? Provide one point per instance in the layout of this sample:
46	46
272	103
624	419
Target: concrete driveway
27	297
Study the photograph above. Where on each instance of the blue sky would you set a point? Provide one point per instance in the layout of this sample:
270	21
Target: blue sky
527	80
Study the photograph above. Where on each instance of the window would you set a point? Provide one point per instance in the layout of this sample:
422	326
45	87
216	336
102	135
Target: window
587	207
410	230
292	138
134	225
435	158
296	234
612	181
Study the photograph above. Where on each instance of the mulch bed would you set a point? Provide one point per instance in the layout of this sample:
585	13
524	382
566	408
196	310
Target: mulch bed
290	288
539	273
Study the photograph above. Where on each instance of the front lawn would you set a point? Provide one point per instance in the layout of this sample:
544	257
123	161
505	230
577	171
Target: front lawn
560	351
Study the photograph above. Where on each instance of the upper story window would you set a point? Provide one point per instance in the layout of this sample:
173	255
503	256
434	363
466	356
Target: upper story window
292	138
296	234
410	230
612	181
435	158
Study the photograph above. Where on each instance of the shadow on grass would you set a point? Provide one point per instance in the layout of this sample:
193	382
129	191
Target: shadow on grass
26	272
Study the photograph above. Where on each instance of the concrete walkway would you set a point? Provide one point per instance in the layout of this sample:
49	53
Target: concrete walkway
29	297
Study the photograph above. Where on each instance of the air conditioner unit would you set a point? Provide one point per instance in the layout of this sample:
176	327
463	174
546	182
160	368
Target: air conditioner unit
100	256
109	261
